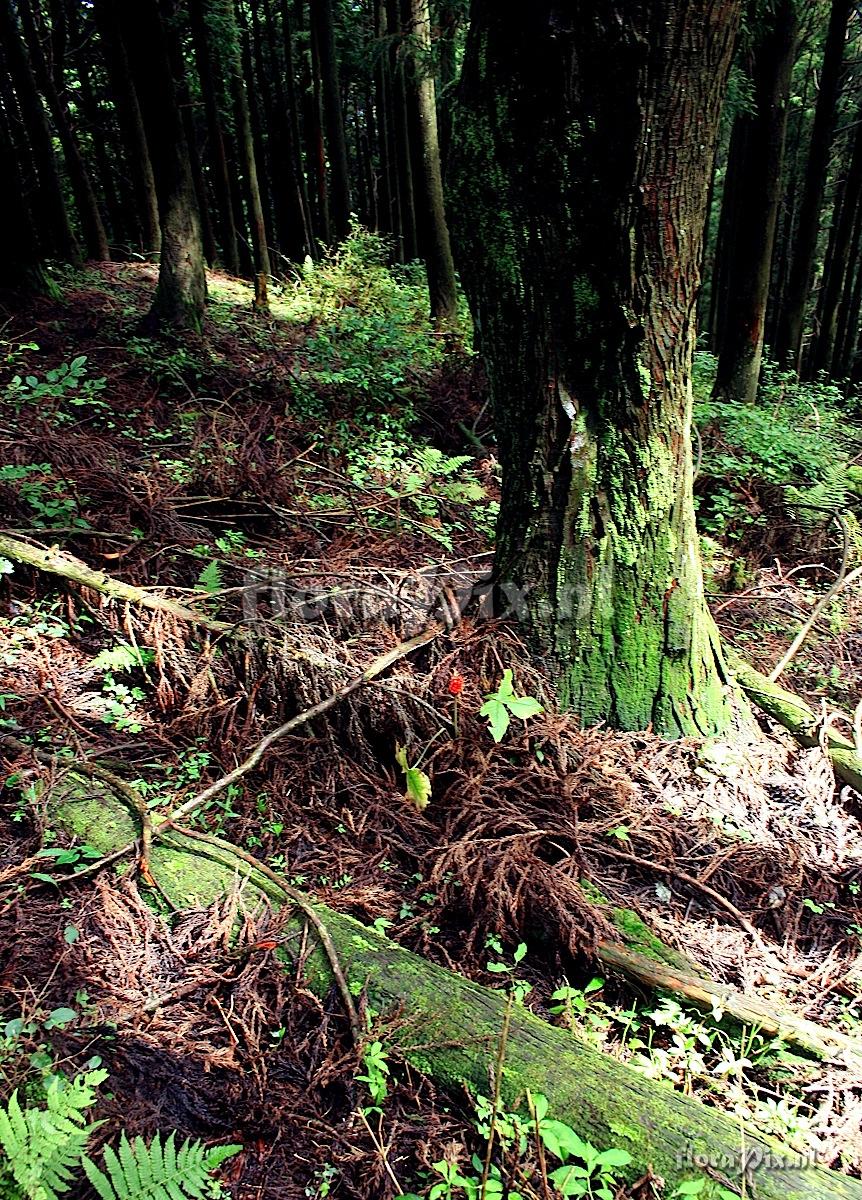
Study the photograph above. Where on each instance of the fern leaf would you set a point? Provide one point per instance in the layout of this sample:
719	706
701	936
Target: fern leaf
131	1174
218	1154
170	1157
98	1181
115	1171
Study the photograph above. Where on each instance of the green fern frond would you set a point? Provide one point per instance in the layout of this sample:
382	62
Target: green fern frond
44	1146
160	1171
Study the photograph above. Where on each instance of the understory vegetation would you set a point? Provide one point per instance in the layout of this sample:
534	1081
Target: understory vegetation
292	472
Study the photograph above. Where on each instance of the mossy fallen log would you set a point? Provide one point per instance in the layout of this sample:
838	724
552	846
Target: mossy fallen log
450	1028
797	718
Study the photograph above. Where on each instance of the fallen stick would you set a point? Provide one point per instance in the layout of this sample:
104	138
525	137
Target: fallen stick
821	1042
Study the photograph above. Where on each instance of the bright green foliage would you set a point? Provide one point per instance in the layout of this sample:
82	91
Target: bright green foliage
45	1148
418	783
502	705
370	330
797	437
160	1171
48	499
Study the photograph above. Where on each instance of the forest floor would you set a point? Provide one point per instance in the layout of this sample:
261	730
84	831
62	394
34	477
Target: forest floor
327	473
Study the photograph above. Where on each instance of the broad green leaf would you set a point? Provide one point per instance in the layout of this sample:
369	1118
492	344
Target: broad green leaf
498	718
524	706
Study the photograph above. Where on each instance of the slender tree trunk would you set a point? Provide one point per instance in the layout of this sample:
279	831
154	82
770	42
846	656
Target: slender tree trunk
581	163
245	134
92	227
53	219
788	349
839	258
131	127
293	235
181	291
850	308
438	252
725	240
785	235
323	27
759	196
295	128
316	148
390	218
401	135
218	154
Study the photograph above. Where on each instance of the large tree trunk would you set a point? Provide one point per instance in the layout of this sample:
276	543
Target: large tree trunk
52	219
181	290
759	194
788	349
450	1028
582	159
438	251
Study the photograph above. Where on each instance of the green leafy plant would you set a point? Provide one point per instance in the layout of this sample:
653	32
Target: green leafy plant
48	498
45	1150
375	1074
503	704
418	783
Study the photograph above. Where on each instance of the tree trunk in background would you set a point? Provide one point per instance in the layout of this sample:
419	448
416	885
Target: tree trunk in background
449	19
293	230
390	219
21	267
316	146
581	163
850	307
245	138
722	267
438	252
759	187
103	137
53	224
785	234
839	259
409	247
92	228
323	27
131	126
218	154
788	349
296	132
181	291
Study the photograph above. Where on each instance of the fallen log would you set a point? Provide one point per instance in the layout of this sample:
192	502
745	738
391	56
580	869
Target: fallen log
449	1027
797	718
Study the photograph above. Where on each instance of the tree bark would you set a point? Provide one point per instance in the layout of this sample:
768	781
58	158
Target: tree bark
759	195
295	128
439	264
181	290
584	147
788	349
21	267
52	218
449	1028
323	29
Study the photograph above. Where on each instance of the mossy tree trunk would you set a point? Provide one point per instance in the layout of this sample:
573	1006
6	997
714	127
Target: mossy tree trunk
181	291
581	163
